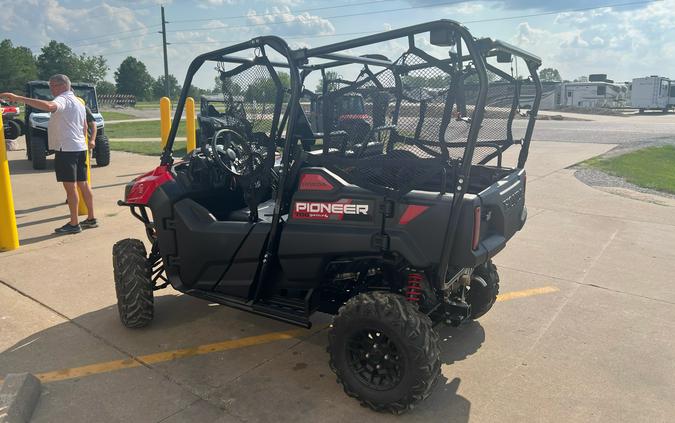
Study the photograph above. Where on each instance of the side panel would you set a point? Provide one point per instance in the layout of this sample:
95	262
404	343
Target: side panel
205	247
418	225
244	267
328	218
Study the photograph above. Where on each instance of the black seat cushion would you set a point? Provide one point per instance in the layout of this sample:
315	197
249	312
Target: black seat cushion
265	212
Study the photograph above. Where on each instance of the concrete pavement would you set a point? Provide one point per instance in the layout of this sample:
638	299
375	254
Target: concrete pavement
597	348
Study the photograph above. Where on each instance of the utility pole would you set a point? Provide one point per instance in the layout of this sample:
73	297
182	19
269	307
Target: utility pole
166	63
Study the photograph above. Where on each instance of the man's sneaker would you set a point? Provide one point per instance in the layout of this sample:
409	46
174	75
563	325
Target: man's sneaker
89	223
68	229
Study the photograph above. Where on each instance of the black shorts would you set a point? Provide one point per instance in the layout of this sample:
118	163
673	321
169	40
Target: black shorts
71	166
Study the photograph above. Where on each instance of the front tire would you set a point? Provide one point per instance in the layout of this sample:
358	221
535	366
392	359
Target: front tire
384	352
133	285
102	153
482	298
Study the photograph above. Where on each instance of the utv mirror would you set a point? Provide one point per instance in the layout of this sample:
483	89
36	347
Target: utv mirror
503	57
442	37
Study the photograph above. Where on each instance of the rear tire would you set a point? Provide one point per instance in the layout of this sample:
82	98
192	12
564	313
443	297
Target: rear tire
38	151
102	153
135	302
383	329
482	298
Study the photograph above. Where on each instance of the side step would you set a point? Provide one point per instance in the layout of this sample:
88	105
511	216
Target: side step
285	309
289	311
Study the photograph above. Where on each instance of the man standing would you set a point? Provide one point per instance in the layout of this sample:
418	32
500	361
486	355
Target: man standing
67	137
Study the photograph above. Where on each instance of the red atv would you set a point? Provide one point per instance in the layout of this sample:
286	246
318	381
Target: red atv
392	231
12	125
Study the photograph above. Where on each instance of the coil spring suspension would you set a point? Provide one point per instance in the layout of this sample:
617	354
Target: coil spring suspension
413	291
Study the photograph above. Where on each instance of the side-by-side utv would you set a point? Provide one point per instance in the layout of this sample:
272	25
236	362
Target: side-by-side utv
392	232
37	124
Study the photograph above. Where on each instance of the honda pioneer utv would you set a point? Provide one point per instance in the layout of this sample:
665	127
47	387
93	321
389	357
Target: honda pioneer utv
392	232
37	123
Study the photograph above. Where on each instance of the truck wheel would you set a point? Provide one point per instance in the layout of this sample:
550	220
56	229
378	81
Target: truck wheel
22	126
102	153
133	285
481	297
13	130
384	352
38	151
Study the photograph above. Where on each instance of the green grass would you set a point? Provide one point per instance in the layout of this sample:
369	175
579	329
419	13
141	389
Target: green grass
652	167
117	116
147	148
146	129
147	105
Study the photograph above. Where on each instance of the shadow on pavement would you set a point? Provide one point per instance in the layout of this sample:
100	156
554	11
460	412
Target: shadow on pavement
40	221
36	209
185	322
24	166
35	239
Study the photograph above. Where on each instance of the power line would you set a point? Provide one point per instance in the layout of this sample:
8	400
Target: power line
329	17
430	5
435	5
69	42
614	5
313	9
132	50
583	9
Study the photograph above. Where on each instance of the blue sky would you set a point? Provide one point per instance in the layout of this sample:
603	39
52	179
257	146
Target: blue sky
632	40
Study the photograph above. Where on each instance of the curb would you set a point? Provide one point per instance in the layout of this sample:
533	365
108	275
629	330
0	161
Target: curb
19	394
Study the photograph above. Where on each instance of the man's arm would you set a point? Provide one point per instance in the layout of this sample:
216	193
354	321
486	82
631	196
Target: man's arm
47	106
92	140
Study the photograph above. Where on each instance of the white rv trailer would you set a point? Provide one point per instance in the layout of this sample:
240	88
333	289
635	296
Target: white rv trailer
652	92
591	94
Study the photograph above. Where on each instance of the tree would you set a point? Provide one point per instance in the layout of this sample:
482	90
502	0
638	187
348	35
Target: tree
17	66
59	58
105	88
581	79
159	91
195	92
132	77
91	69
550	75
330	76
438	81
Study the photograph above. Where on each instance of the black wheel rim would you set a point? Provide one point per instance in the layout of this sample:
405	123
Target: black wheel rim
375	359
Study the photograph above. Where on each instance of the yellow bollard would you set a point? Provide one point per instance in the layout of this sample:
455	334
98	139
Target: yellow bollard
191	130
165	119
9	237
82	209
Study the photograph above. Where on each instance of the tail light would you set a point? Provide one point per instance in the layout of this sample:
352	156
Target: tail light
476	228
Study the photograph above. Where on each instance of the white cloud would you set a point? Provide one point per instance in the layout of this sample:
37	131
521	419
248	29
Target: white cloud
282	21
49	19
623	44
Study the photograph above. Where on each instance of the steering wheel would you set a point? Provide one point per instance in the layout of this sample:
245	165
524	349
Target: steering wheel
234	155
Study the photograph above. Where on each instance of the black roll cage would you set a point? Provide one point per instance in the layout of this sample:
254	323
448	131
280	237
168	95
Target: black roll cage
297	62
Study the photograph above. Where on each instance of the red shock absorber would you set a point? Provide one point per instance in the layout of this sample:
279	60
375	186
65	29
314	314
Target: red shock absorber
413	292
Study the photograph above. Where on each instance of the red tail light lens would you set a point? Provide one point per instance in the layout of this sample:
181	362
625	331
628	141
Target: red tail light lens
476	228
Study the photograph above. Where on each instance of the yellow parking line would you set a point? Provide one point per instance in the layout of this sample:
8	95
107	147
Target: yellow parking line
110	366
526	293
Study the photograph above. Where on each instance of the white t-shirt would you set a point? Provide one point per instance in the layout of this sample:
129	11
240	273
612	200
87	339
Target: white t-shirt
66	125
